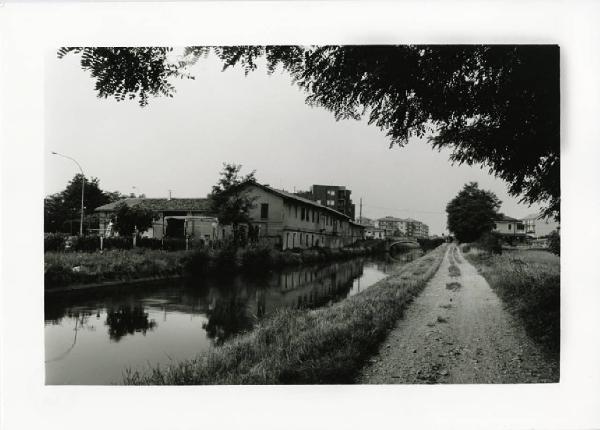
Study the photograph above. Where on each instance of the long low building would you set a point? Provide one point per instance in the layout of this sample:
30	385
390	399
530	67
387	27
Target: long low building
174	217
290	221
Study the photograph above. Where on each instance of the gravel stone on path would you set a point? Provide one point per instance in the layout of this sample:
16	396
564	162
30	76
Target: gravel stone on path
458	336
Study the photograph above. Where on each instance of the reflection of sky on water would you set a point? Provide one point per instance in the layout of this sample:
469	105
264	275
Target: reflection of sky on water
93	340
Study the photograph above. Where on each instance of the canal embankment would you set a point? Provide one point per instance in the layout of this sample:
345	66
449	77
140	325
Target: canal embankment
298	346
64	271
528	283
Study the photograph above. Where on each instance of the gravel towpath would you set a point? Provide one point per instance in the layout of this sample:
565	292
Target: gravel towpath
459	334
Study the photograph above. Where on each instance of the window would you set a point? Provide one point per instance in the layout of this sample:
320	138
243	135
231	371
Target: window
264	210
302	214
330	203
296	209
319	201
313	216
509	226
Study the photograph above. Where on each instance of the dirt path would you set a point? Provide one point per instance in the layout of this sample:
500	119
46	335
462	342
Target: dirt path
458	334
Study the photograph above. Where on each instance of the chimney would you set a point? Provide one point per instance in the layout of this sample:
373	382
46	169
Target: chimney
169	195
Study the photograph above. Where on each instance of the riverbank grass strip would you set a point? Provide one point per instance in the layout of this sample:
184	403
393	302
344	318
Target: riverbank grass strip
321	346
528	282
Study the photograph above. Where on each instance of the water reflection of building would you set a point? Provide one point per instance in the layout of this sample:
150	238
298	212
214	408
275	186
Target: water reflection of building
230	304
310	287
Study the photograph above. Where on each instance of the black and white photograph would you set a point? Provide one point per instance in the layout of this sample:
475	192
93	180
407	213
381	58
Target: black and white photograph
388	222
337	214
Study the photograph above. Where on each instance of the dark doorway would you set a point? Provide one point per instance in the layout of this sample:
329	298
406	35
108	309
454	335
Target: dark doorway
175	227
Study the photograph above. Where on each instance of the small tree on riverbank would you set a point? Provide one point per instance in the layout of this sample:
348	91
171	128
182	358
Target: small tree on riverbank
472	212
130	218
230	201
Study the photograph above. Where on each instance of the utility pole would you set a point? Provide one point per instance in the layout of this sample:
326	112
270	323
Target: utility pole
82	189
360	212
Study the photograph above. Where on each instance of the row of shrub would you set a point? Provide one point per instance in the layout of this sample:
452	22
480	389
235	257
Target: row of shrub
429	243
66	268
260	257
65	242
63	269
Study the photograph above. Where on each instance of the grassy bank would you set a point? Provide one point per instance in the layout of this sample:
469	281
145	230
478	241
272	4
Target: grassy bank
326	345
63	269
528	282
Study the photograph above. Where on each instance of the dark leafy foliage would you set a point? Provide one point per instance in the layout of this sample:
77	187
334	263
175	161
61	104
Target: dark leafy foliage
494	105
130	72
427	243
130	218
554	242
490	243
63	210
472	212
230	202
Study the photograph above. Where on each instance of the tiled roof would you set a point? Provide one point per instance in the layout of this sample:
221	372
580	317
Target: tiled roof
291	196
502	217
160	204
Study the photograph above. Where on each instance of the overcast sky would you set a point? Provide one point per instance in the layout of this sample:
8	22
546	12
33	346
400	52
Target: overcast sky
259	121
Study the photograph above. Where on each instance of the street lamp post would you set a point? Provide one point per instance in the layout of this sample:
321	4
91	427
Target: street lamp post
82	188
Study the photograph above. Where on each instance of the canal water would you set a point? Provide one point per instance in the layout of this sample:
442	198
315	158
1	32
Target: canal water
92	338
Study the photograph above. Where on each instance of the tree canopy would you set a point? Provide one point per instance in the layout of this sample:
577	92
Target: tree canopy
472	213
130	218
59	208
492	105
230	202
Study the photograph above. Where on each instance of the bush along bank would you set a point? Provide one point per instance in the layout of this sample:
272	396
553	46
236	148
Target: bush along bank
529	285
74	268
258	258
322	346
79	268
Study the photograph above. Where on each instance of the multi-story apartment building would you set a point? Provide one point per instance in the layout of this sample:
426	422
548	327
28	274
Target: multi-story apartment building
404	227
416	228
290	221
392	226
332	196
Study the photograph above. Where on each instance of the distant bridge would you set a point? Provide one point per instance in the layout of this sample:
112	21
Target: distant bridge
405	242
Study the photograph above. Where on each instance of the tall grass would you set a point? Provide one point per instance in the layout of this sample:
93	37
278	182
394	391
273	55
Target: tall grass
529	284
326	345
61	269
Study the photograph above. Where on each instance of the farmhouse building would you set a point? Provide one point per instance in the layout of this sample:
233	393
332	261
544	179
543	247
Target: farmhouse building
175	217
289	221
509	228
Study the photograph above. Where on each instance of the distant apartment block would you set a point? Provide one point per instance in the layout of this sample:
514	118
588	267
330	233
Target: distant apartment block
374	233
393	226
416	228
332	196
404	227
